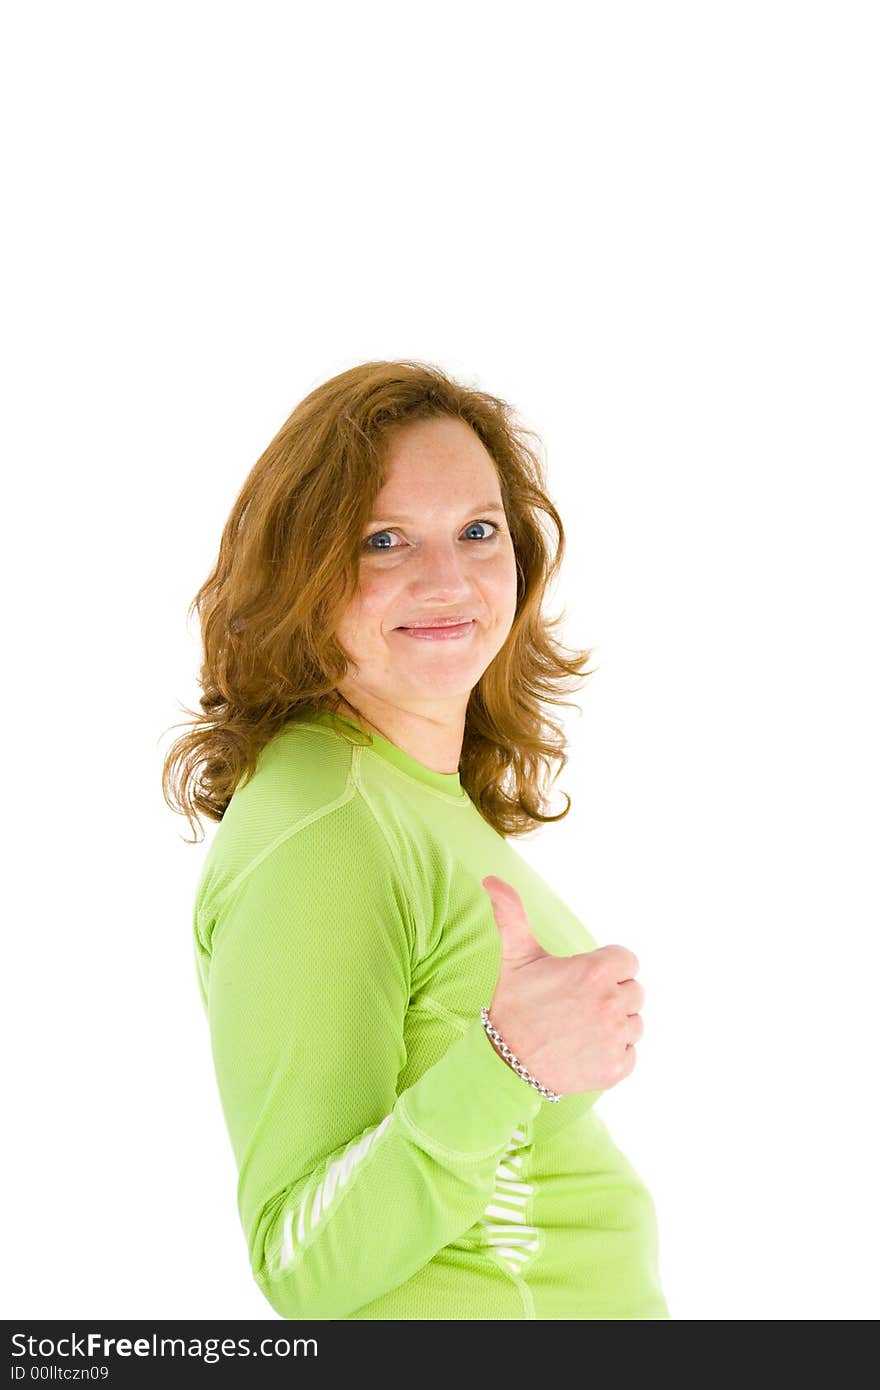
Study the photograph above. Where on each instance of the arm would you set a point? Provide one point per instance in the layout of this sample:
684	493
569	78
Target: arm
345	1188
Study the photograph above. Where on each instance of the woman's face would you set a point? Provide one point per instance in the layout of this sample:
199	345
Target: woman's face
435	548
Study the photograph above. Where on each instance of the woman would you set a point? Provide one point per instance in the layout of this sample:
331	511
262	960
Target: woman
410	1029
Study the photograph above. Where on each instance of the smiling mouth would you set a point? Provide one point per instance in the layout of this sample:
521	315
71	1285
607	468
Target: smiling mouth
444	632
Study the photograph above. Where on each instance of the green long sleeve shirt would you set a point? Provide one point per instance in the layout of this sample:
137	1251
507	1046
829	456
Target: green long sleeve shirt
391	1164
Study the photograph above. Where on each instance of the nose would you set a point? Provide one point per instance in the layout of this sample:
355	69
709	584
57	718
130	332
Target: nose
439	575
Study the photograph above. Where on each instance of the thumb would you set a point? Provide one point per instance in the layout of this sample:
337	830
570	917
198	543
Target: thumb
517	941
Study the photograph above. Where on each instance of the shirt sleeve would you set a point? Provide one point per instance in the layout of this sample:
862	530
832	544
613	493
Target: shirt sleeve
346	1188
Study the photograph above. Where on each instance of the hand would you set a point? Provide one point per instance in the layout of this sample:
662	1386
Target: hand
573	1021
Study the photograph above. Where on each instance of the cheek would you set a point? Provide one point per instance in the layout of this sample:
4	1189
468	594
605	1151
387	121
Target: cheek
366	614
375	598
502	586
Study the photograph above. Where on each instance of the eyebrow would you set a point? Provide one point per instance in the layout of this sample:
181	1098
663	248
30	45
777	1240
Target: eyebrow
480	507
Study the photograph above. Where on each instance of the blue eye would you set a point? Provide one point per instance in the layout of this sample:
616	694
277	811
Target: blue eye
367	545
495	529
484	539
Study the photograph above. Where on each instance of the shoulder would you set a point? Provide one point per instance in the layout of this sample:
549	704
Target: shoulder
300	773
302	824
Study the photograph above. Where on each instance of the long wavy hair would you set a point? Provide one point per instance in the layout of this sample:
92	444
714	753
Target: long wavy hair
288	565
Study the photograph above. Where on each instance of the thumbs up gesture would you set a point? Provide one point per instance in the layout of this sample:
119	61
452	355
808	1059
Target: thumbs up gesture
573	1021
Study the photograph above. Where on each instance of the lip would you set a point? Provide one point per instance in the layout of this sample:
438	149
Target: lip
441	620
447	632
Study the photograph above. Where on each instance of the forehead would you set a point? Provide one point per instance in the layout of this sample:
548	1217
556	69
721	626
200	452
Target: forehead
438	462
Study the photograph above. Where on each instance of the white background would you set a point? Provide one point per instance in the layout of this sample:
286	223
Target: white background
652	227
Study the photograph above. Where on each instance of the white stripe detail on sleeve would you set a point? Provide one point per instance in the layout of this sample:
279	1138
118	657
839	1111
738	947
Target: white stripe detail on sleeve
323	1195
508	1234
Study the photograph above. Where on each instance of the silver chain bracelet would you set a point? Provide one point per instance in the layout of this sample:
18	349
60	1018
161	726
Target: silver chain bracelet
515	1063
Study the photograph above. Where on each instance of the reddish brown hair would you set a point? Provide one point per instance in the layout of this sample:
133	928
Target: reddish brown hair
288	565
